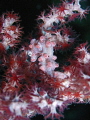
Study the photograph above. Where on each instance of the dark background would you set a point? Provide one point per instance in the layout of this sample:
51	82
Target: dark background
29	11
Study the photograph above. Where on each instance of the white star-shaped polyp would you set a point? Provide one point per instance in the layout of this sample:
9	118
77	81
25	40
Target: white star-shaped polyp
17	106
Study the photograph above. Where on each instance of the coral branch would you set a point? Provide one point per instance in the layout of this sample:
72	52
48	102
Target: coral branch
31	79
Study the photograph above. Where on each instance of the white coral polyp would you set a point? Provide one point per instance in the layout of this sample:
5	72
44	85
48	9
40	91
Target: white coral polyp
8	22
16	107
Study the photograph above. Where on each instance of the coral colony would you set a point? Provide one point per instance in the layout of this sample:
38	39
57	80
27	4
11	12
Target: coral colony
32	82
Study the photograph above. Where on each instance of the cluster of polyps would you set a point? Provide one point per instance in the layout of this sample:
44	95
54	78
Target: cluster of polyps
44	50
9	32
31	86
54	33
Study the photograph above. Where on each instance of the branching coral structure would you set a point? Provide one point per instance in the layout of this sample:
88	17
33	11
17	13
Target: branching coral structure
30	82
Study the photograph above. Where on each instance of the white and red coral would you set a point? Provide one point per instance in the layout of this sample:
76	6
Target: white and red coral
34	86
